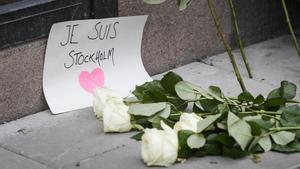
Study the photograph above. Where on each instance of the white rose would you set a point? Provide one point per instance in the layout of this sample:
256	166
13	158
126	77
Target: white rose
187	121
101	97
109	105
116	117
159	147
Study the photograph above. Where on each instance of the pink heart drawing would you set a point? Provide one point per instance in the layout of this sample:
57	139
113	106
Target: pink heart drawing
89	81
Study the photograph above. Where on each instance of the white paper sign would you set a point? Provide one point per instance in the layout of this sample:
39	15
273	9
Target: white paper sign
84	53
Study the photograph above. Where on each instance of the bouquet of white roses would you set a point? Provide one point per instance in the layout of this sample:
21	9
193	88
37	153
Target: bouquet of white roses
178	119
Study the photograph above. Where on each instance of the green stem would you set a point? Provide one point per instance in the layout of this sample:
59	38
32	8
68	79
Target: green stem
226	43
238	38
176	114
270	116
285	128
206	114
171	97
172	105
132	101
261	112
293	101
290	27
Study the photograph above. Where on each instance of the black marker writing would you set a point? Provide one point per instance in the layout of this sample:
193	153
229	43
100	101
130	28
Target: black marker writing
79	58
70	35
102	31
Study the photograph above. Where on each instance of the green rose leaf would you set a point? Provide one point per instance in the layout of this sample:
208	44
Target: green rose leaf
290	116
150	92
186	92
190	92
290	148
205	123
297	132
138	136
255	128
178	103
156	122
274	94
253	144
283	137
225	139
197	108
196	141
265	143
234	153
288	90
295	145
259	99
169	81
276	102
209	149
262	123
246	96
139	92
147	109
239	129
223	108
164	114
157	96
216	93
211	106
183	149
153	2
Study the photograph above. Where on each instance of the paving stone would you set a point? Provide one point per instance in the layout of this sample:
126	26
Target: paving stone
61	139
271	61
229	85
191	71
205	75
10	160
129	157
274	160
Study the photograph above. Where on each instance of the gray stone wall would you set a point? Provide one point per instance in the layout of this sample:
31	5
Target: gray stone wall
260	19
294	9
171	38
21	70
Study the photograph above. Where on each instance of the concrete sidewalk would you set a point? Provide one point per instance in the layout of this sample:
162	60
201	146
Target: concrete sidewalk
76	139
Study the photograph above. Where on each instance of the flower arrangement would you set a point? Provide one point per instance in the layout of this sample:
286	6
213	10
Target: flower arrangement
177	119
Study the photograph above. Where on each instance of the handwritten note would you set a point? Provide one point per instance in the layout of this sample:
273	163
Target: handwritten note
87	53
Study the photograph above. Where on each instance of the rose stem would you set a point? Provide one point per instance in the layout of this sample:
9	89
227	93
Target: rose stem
290	27
238	38
285	128
226	44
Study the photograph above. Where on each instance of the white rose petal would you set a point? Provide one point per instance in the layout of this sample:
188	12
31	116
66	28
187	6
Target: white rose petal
109	105
187	121
159	147
101	97
116	118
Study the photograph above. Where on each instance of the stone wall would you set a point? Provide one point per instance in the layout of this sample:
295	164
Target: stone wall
171	38
21	71
260	20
